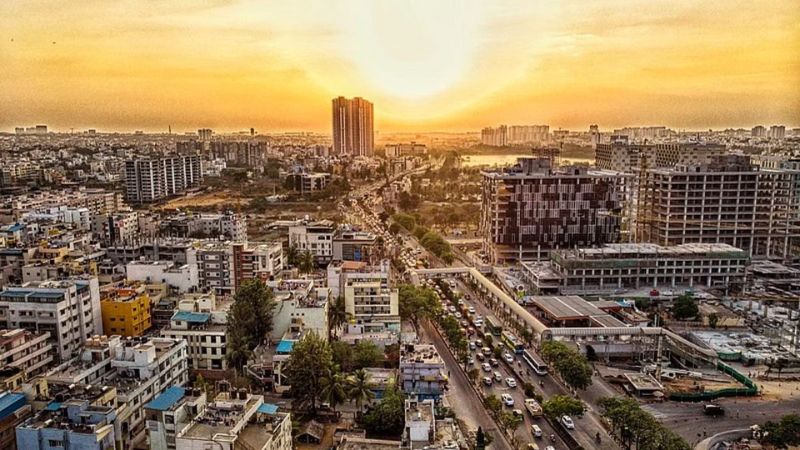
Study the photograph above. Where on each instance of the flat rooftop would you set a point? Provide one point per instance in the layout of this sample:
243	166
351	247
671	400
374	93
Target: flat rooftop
643	382
646	249
569	307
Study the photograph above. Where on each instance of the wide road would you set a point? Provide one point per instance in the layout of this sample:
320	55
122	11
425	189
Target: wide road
464	401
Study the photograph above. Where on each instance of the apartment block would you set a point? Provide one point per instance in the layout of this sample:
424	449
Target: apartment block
314	237
406	149
74	424
200	320
149	180
352	127
422	371
728	200
607	269
172	411
125	309
227	225
69	310
178	278
621	155
300	306
24	352
14	410
371	300
533	208
349	245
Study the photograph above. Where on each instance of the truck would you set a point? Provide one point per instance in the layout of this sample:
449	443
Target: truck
533	407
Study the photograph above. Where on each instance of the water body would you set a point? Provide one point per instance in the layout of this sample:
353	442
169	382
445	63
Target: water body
510	159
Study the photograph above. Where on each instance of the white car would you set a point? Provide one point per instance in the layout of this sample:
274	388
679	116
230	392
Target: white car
567	422
486	367
487	381
509	358
471	310
508	400
536	431
511	382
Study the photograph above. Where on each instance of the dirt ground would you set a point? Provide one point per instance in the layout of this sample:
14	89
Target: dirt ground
207	199
688	384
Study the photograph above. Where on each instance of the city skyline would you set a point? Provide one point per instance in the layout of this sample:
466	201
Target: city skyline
426	68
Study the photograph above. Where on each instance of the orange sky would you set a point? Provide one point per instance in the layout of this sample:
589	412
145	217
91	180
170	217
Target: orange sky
449	65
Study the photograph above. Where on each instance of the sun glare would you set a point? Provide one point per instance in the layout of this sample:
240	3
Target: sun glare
413	49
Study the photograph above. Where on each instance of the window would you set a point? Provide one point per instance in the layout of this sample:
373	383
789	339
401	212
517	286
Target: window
55	443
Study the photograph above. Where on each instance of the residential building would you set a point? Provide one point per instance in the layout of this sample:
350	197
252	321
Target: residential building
179	278
305	182
420	427
24	352
409	149
201	321
223	266
349	245
728	200
125	309
314	237
149	180
115	227
532	208
495	137
172	411
69	310
422	371
237	419
370	299
14	410
777	132
74	424
622	155
227	225
607	269
247	153
352	127
758	131
300	306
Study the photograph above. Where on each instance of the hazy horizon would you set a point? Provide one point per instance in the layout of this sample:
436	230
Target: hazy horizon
428	67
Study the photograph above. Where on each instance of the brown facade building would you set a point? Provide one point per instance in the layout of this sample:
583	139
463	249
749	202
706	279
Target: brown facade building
352	127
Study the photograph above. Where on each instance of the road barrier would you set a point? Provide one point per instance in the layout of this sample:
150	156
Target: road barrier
749	390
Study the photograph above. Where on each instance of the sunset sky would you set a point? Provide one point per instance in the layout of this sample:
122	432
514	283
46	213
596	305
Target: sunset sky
426	65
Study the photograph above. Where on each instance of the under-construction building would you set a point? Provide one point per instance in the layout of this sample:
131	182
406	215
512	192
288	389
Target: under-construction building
728	200
533	207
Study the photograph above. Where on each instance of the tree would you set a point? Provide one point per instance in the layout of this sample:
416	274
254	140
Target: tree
342	355
474	374
308	364
511	422
562	405
292	255
249	321
685	307
306	263
334	387
573	367
636	427
392	355
783	433
366	354
493	404
337	316
480	440
388	416
406	221
360	388
418	303
713	319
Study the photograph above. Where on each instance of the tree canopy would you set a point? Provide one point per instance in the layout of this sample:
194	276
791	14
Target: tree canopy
685	307
573	367
638	428
561	405
249	321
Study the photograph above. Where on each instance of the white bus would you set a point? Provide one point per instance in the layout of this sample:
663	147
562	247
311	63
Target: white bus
536	364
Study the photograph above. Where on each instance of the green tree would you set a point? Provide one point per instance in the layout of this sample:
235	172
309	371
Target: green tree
392	355
511	422
480	440
784	433
249	321
334	387
366	354
713	319
406	221
417	303
493	404
308	364
636	427
360	388
573	367
342	354
562	405
337	316
685	307
292	255
388	416
306	263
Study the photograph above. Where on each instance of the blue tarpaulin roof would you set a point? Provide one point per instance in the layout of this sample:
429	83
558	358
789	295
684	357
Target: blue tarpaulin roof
268	408
53	406
285	346
188	316
10	402
168	398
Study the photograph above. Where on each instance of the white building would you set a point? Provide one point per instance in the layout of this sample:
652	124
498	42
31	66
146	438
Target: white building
299	306
24	350
316	237
180	278
172	411
420	423
371	300
69	310
201	322
422	371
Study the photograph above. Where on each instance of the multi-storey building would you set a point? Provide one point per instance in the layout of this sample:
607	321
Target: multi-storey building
125	309
422	371
726	201
69	310
607	269
352	127
152	179
179	278
249	153
315	237
399	150
115	227
14	410
228	225
172	411
495	137
371	300
622	156
27	352
349	245
201	321
300	306
532	208
74	424
305	182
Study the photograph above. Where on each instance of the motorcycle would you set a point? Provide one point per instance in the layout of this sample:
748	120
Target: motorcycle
597	437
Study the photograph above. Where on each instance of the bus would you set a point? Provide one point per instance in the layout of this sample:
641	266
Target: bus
512	342
493	325
536	364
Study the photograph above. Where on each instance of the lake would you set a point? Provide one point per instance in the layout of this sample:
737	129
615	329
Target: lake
510	159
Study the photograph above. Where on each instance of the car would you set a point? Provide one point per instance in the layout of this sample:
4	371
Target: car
480	356
458	315
511	382
472	346
498	376
471	360
517	412
713	410
486	367
487	381
507	399
536	431
486	351
494	362
567	422
509	358
549	447
471	310
452	309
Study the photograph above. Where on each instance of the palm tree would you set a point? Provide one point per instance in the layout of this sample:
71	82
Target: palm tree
337	316
333	388
291	255
306	263
360	388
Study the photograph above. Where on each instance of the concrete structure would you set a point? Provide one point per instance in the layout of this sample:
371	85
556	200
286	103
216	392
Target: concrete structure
420	429
69	310
237	419
352	127
14	410
633	266
371	300
179	278
725	201
409	149
351	245
623	155
149	180
305	182
422	371
300	306
27	352
115	227
227	225
170	412
223	266
532	208
74	425
201	321
125	309
495	137
314	237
